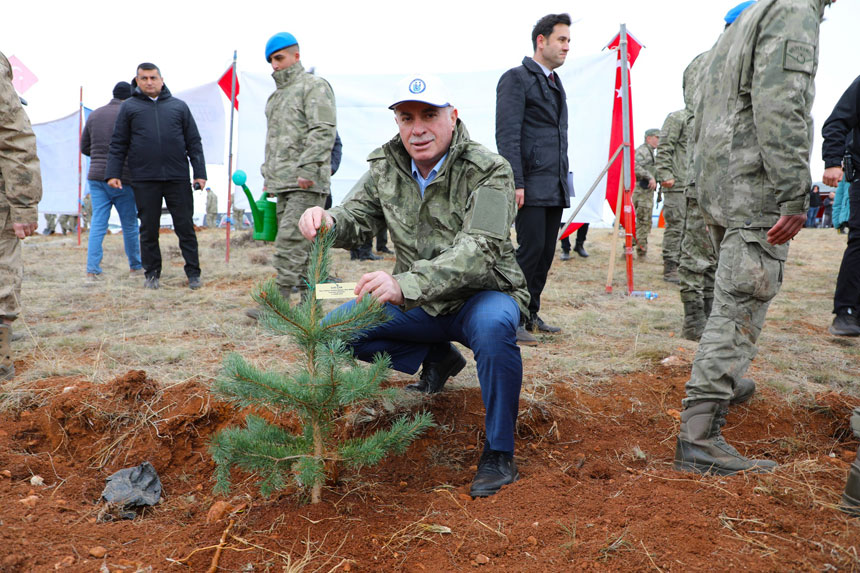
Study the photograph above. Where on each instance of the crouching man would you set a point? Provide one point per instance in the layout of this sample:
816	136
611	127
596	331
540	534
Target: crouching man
448	203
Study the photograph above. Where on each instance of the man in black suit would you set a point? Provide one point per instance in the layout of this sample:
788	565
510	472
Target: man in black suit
531	133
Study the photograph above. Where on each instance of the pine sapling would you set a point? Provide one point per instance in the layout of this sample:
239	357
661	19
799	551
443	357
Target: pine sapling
329	381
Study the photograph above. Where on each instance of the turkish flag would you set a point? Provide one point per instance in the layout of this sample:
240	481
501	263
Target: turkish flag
617	137
22	78
226	83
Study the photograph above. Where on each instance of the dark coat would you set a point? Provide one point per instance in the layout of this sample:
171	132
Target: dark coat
844	120
96	137
531	133
158	137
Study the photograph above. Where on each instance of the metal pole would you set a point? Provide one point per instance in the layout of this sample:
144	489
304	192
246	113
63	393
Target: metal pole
626	170
590	191
230	157
80	159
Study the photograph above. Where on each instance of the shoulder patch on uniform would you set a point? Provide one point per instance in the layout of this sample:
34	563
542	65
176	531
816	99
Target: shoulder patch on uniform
799	57
490	213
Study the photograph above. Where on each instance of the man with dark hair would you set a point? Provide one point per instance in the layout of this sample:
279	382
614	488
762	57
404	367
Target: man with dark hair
95	143
448	203
158	135
531	133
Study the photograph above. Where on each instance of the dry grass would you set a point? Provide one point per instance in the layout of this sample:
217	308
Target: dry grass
101	330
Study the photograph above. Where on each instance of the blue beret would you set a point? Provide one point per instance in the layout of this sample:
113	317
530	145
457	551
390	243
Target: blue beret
733	14
279	41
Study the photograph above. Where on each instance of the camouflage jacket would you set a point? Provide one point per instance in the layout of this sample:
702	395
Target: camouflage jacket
644	165
20	175
691	98
672	152
753	127
301	122
211	202
452	243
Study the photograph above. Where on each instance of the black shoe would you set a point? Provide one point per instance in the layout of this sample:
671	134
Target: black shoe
494	470
151	283
537	323
435	373
194	283
580	250
845	324
565	256
385	251
353	254
366	254
524	337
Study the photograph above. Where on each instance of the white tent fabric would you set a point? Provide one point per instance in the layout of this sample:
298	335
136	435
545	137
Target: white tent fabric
206	103
365	122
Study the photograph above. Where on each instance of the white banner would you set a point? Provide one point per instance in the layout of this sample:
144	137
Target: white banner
207	106
57	146
365	122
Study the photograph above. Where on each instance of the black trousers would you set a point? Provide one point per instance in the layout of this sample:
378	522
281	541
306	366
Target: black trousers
537	228
847	293
581	233
180	202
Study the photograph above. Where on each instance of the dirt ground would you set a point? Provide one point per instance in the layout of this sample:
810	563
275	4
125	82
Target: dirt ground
595	448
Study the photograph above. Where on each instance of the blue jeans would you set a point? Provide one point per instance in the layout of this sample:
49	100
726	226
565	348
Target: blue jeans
487	324
103	197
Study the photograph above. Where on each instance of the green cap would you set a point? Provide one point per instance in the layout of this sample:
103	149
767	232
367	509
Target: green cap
650	132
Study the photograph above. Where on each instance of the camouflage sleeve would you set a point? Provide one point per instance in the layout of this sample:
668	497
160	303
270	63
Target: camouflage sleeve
477	248
321	117
359	214
782	90
670	134
639	165
21	179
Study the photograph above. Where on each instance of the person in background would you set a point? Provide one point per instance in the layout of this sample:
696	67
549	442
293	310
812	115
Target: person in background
814	205
211	208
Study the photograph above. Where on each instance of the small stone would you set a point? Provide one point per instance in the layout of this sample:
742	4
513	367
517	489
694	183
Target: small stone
98	551
481	559
217	511
69	389
67	561
30	501
37	480
531	540
465	497
403	484
6	474
536	524
674	413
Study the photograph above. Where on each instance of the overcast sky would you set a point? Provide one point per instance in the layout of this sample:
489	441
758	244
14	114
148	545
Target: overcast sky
94	44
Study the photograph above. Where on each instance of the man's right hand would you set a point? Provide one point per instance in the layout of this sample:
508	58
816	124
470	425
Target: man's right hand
520	197
652	184
312	219
115	183
832	176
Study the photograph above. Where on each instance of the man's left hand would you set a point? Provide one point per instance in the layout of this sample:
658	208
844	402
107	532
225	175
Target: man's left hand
24	229
668	184
785	229
201	183
305	183
381	285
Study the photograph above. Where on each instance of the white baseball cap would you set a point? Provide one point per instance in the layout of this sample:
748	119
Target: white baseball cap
421	87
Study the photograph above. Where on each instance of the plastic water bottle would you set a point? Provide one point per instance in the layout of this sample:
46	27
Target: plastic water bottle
646	294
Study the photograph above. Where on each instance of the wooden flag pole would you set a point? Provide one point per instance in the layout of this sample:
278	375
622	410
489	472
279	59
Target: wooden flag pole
230	157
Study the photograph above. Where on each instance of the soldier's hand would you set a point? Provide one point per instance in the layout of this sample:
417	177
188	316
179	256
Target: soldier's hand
312	219
668	184
520	197
305	183
381	286
652	185
115	183
24	229
785	229
832	176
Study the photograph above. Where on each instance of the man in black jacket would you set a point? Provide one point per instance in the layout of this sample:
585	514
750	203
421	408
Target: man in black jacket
531	133
95	142
845	120
158	135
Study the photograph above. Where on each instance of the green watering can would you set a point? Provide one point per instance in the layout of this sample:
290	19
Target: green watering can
264	211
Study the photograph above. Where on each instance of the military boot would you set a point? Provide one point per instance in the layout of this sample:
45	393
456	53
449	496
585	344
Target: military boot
701	447
742	391
851	497
708	304
694	320
7	367
670	272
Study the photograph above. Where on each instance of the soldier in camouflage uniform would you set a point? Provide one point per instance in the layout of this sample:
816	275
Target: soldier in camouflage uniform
20	192
211	208
753	134
300	136
449	204
644	167
698	262
50	224
86	212
671	170
69	224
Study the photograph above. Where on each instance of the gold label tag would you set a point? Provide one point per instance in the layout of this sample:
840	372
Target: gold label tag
335	290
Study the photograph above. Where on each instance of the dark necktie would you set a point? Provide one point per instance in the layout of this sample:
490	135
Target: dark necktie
551	78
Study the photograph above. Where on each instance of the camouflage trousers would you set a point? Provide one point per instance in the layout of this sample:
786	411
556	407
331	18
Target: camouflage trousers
291	248
69	223
643	203
86	211
11	267
50	222
749	275
238	218
698	261
674	207
211	220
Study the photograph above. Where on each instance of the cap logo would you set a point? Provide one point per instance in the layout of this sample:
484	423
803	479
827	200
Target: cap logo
417	86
